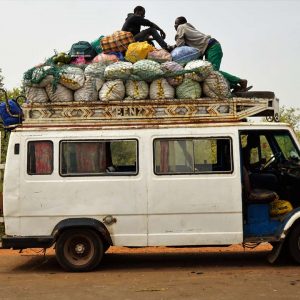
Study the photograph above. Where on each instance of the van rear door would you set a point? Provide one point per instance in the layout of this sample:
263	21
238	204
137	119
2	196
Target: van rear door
195	192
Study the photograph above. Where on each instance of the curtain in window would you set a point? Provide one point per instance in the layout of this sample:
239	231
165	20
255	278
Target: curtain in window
85	157
164	157
43	154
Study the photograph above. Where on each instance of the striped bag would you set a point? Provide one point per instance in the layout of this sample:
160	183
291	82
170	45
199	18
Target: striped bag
117	42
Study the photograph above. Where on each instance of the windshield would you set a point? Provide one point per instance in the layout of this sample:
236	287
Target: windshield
287	146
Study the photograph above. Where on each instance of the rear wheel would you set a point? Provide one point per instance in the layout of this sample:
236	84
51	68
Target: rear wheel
79	250
294	243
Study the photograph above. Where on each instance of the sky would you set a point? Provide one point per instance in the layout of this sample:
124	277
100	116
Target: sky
260	38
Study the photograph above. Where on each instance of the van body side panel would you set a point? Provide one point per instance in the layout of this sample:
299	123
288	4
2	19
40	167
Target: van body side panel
149	208
11	187
197	209
45	200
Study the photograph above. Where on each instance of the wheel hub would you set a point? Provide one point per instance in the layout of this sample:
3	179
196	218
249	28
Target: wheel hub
79	248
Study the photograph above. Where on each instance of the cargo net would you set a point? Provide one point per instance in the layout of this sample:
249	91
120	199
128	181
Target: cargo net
139	75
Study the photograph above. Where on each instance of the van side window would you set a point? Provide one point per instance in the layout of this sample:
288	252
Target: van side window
192	156
40	158
78	158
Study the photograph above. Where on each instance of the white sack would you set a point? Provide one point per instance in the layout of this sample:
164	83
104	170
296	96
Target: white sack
118	70
61	94
161	89
112	90
137	89
201	69
36	94
88	92
72	77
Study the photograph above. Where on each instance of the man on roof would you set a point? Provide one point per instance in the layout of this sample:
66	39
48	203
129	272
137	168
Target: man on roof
209	48
133	24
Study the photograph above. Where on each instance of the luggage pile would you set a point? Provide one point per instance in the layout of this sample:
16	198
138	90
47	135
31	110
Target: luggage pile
117	68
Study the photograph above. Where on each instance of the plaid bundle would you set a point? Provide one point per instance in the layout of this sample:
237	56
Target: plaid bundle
117	42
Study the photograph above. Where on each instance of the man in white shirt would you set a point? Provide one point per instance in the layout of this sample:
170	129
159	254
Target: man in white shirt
210	49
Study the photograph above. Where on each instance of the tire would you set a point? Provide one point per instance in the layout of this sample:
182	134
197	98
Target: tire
294	243
79	250
106	246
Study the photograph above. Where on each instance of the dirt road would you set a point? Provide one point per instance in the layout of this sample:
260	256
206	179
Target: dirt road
153	273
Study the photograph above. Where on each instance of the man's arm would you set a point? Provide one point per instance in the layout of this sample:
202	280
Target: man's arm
145	22
180	41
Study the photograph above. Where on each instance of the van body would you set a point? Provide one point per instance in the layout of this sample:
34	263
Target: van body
88	188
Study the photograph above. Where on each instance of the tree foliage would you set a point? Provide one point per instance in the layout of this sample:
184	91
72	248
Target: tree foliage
1	79
291	116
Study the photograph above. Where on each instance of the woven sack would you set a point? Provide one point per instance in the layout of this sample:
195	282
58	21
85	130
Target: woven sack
36	94
105	58
137	89
147	70
88	92
112	90
189	89
96	70
118	70
169	68
201	69
72	77
216	86
161	89
60	94
160	55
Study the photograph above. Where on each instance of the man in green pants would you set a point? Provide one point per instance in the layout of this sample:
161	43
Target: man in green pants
210	48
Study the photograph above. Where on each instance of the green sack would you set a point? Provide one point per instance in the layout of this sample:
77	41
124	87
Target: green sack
146	70
189	89
96	44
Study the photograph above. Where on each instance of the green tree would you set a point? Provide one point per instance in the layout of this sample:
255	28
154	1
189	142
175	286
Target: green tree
1	79
14	93
291	116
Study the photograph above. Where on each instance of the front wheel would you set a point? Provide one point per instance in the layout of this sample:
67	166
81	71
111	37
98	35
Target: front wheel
79	250
294	243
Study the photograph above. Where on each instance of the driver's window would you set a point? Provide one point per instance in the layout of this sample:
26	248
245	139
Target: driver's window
254	156
256	150
266	151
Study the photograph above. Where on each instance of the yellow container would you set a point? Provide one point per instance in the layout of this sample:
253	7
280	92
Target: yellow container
280	207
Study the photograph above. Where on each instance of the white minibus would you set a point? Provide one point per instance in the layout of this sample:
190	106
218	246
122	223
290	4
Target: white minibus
84	189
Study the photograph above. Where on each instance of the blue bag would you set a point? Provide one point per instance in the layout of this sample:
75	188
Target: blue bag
10	112
185	54
119	55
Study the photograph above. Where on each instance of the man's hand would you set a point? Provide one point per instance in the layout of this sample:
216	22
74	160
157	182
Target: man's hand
162	33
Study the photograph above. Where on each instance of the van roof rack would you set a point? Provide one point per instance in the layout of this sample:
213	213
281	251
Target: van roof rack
139	112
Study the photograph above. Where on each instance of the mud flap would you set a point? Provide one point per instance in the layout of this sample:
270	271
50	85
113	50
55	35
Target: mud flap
274	254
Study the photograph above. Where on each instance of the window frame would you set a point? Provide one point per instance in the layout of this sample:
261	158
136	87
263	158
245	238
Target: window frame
104	174
199	172
27	158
